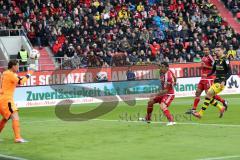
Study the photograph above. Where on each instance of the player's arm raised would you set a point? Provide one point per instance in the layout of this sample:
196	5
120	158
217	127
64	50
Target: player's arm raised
21	80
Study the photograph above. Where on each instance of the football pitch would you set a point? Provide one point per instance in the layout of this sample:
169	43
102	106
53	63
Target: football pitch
118	135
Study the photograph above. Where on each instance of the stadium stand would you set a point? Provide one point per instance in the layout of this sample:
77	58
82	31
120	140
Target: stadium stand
120	32
227	15
233	6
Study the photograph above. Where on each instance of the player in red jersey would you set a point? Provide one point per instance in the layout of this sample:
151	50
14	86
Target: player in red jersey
165	96
206	81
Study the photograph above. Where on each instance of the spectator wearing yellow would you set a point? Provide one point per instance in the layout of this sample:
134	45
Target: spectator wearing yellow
209	4
112	22
140	7
231	54
23	58
123	14
180	18
97	17
96	3
140	62
211	18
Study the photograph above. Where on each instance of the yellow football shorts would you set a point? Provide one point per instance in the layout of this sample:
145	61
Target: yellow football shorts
216	87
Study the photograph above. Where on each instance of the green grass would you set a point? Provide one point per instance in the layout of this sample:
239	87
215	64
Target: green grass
54	139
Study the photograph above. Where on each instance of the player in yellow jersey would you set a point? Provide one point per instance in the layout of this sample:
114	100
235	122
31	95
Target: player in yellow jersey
223	72
8	110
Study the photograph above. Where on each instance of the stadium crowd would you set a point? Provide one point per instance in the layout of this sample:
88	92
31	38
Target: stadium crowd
97	33
233	6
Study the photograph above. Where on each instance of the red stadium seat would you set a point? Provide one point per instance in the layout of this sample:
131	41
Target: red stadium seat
238	15
186	44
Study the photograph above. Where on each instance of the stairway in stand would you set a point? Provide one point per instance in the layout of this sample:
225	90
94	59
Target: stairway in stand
227	15
45	61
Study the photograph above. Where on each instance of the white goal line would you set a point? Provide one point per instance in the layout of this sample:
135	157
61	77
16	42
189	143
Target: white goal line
180	123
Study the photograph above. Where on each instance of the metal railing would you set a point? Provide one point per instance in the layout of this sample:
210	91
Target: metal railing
57	64
12	32
18	32
22	32
15	32
4	63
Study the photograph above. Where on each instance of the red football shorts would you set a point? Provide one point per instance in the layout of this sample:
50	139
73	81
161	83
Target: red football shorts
205	84
167	99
